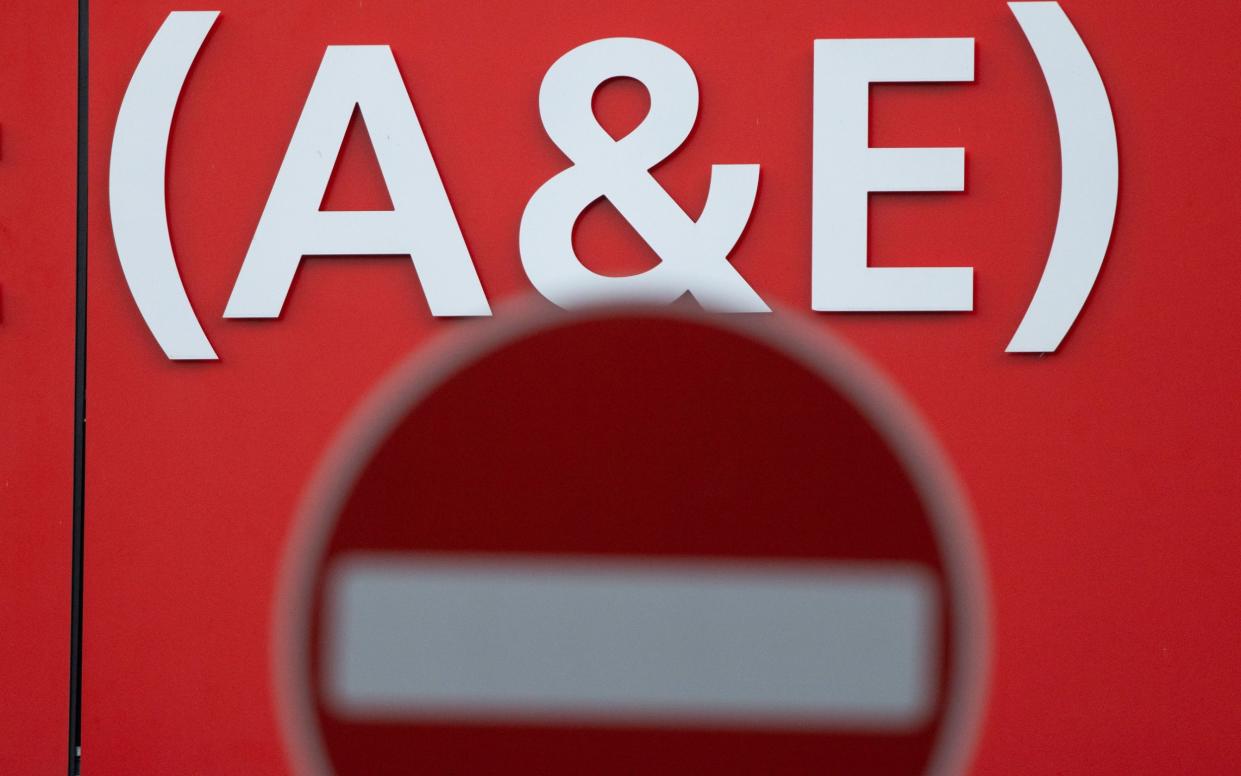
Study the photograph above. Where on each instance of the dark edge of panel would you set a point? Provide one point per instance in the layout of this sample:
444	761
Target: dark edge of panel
79	406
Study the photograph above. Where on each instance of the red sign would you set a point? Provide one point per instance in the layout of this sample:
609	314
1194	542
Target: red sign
37	86
633	542
1102	475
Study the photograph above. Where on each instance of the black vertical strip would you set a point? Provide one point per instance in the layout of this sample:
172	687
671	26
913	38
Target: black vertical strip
79	409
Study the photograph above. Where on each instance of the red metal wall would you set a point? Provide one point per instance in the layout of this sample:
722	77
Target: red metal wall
38	87
1103	477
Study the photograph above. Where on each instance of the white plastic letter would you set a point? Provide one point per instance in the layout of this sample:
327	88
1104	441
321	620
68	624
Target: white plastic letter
137	182
693	253
421	222
847	169
1089	177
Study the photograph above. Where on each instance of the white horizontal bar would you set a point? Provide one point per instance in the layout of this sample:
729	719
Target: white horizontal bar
593	641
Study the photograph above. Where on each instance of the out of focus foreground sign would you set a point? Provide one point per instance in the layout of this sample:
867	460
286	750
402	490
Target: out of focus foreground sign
517	554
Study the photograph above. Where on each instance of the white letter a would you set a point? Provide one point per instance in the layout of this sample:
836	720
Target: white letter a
421	222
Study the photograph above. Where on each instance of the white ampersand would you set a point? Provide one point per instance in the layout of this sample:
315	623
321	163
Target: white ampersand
693	254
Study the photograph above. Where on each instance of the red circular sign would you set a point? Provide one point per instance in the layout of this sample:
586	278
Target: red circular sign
631	542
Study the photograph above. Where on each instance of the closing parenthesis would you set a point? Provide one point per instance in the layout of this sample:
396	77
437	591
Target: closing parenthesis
136	185
1089	176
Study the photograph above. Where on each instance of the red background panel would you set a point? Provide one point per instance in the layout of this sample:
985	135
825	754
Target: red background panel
38	109
1103	476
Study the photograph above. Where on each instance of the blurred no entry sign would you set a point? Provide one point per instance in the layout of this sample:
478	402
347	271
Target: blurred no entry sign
632	542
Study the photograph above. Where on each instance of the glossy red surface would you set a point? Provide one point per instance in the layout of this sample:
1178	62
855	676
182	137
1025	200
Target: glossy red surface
1103	477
